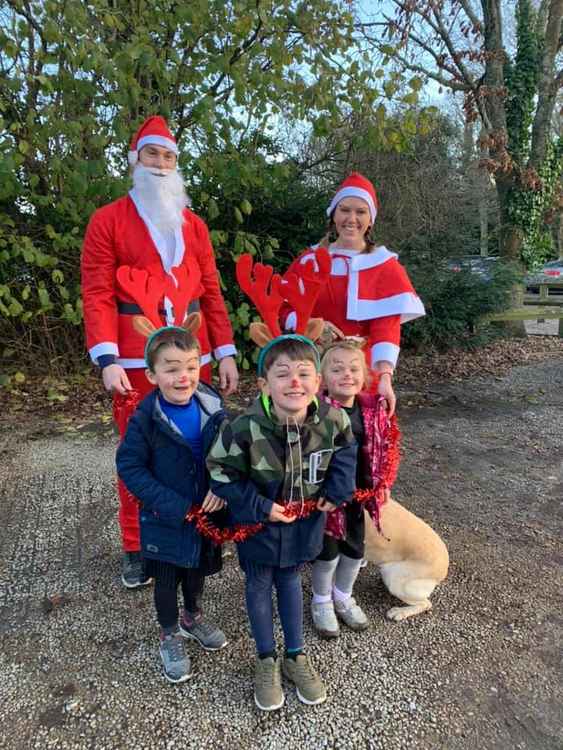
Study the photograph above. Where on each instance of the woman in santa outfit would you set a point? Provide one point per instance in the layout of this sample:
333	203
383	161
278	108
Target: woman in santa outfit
151	231
369	293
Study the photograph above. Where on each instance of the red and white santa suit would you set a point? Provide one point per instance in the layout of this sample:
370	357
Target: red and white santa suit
122	234
368	294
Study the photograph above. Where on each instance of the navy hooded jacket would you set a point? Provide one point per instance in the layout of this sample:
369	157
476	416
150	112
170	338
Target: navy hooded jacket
157	465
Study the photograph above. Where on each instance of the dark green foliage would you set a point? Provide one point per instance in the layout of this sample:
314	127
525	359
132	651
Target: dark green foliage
454	302
77	78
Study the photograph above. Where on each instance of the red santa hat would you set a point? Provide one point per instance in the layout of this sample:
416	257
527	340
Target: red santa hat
154	131
356	186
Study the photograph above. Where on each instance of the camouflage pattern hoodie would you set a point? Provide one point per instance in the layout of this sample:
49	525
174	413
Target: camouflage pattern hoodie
257	459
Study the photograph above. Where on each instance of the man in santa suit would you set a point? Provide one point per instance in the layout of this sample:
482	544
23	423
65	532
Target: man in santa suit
368	293
150	229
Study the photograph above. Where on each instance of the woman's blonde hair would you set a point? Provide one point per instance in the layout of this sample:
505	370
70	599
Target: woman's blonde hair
347	346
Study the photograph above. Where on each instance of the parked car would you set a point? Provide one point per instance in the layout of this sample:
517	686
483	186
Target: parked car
479	265
550	272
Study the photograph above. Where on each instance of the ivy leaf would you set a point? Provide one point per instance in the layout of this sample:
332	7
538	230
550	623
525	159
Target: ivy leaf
212	209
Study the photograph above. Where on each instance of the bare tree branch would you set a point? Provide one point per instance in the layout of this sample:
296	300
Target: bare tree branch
547	88
475	20
415	68
445	35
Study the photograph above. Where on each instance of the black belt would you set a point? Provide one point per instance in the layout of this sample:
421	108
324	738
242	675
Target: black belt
130	308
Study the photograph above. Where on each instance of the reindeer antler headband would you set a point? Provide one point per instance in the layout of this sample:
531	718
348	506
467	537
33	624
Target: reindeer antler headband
268	291
178	289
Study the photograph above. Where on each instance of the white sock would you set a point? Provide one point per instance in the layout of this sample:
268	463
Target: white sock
321	580
345	577
321	598
340	596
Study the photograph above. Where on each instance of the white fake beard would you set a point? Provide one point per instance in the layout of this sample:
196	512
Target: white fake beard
162	194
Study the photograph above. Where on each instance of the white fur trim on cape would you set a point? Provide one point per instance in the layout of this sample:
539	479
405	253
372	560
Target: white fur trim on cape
385	351
358	261
353	192
361	261
104	347
407	305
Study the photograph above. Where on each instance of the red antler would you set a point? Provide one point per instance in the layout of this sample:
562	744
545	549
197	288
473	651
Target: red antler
188	279
301	291
263	290
145	289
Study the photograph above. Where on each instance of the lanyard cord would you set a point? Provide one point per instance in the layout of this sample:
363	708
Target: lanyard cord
299	472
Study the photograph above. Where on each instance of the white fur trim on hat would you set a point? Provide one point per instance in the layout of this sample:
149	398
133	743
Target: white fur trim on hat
157	140
353	192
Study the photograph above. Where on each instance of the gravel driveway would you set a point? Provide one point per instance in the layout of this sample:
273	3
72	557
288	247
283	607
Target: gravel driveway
482	463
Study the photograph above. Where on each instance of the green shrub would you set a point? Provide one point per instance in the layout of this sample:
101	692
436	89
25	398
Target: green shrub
454	301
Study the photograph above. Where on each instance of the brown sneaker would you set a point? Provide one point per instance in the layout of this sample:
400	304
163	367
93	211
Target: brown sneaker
310	687
268	693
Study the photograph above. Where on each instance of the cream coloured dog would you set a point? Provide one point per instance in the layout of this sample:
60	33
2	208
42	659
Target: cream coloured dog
411	557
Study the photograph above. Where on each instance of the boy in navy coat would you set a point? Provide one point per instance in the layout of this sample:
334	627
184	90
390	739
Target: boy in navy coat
162	462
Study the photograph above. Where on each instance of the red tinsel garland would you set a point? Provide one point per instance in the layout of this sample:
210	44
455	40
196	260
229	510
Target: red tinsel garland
123	408
381	454
382	434
241	532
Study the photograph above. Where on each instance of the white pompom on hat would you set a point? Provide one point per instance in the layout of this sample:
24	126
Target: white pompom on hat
153	131
356	186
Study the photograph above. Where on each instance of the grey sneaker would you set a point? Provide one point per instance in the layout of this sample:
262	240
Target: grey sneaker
268	693
351	614
209	636
132	571
176	663
324	620
310	687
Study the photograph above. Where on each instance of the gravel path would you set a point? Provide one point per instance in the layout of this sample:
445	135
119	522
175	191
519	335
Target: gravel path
482	463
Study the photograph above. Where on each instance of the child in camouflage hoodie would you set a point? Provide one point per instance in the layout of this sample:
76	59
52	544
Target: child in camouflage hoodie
287	448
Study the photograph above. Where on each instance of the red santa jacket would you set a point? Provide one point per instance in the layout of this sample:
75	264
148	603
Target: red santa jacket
368	295
121	234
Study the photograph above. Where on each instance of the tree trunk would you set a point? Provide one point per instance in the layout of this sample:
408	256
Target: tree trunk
483	225
511	241
483	186
511	235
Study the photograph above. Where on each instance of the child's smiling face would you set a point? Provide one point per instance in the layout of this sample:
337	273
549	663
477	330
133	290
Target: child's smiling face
176	374
292	385
344	375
